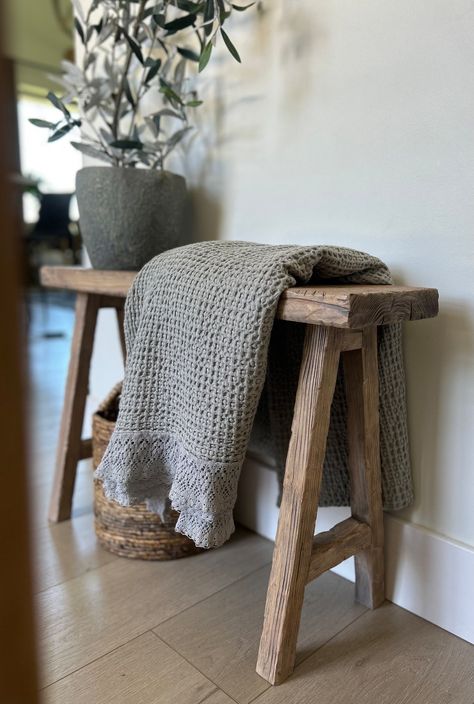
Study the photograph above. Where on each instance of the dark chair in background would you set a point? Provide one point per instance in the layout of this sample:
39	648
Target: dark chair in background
53	239
54	231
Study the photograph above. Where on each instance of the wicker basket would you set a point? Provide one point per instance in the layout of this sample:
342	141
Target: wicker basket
130	531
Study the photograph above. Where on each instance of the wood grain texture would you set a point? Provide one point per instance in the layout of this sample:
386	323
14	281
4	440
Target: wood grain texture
17	634
362	392
351	306
351	340
94	281
69	443
144	671
66	550
85	449
87	617
357	306
303	473
220	635
334	546
217	697
387	656
40	492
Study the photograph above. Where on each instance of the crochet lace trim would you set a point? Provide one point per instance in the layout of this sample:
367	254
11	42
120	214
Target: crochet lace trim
156	469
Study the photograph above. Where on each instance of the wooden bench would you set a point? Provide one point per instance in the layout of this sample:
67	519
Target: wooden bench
341	321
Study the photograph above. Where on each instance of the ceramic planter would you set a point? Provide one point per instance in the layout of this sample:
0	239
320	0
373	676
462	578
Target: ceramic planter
128	215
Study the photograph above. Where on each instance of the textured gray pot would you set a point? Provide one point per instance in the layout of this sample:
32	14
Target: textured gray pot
127	216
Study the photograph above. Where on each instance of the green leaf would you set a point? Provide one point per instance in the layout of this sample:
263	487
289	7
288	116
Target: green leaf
179	72
127	144
43	123
95	153
194	103
188	54
134	47
166	112
157	122
153	70
189	6
79	30
171	95
163	46
78	9
223	14
58	103
167	90
128	93
242	8
177	137
159	19
205	56
60	133
89	60
147	159
230	46
209	15
180	23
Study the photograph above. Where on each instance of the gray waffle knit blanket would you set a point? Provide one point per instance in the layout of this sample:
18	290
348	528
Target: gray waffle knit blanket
203	344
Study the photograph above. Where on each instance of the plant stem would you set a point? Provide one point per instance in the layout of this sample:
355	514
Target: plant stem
141	86
121	90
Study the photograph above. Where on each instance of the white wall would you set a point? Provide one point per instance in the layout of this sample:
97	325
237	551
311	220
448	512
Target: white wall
353	124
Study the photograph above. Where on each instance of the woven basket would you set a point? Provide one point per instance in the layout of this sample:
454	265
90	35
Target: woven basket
130	531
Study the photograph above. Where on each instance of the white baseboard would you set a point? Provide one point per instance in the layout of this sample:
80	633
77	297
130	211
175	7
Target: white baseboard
426	573
431	576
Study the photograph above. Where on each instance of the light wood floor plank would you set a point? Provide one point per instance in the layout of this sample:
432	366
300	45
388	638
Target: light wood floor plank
66	550
144	671
87	617
218	697
388	656
220	635
40	491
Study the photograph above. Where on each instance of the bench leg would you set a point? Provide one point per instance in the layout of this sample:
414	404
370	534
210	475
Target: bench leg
304	466
70	449
362	391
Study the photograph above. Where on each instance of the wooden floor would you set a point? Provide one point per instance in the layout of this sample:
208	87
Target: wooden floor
118	631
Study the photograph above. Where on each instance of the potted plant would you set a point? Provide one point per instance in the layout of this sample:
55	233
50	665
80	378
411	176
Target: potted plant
132	209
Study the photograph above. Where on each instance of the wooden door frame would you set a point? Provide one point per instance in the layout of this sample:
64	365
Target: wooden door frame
18	667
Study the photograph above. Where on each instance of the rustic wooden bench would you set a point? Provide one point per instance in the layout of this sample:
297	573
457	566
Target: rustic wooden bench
341	321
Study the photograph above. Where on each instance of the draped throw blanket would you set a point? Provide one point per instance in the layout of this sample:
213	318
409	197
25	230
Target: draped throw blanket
204	353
